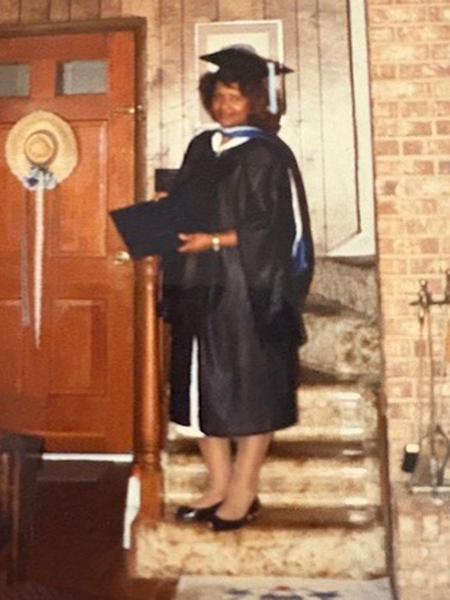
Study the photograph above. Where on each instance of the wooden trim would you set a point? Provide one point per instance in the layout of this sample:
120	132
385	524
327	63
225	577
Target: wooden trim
88	26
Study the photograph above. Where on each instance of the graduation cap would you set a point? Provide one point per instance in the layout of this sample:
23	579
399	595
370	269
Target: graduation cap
240	62
150	228
243	61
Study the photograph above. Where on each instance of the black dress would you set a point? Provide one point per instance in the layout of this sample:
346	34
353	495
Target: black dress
242	305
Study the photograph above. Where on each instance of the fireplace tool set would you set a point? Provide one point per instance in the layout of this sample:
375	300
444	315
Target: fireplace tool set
427	460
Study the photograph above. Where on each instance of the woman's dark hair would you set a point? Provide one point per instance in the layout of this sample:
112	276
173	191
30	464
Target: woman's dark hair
254	90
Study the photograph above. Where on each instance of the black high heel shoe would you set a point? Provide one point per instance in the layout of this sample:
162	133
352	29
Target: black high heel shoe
200	515
218	524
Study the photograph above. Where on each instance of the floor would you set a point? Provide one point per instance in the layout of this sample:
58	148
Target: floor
76	551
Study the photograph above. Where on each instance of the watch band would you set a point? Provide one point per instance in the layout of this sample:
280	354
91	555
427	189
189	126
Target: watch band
215	243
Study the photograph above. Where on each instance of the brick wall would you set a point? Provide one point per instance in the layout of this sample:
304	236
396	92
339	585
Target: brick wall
410	66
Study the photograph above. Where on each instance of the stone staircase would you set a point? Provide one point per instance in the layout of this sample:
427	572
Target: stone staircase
321	484
342	321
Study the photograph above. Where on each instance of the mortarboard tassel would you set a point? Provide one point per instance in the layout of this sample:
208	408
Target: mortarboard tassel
273	104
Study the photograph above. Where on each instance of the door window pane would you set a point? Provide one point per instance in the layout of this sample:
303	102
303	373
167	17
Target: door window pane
82	77
14	80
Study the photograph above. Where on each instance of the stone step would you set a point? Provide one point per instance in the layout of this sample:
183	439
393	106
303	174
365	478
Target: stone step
343	343
300	482
334	412
299	449
276	544
350	282
339	412
350	517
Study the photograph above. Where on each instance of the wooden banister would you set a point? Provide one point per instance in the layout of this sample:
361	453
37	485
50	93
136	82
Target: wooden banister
150	415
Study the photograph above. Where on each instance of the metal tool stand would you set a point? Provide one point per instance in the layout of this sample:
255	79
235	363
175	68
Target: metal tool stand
428	475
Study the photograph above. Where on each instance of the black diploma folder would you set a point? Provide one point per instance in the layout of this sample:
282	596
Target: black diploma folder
149	228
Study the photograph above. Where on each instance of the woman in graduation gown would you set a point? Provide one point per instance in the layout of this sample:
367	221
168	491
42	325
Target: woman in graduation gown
235	290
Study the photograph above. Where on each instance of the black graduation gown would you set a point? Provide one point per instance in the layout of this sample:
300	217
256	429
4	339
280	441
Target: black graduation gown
243	303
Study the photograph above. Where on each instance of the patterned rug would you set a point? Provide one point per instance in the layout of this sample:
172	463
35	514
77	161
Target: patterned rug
279	588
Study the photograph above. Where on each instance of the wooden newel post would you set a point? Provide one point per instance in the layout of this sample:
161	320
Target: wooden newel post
150	410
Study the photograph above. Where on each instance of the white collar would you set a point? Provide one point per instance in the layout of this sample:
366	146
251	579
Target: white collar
218	147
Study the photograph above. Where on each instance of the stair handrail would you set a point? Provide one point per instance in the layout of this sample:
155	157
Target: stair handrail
150	414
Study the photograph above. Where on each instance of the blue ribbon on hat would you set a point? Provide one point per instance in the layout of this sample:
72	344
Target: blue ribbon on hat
31	181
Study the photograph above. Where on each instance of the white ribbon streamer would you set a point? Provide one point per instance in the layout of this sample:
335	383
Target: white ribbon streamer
38	257
24	275
38	180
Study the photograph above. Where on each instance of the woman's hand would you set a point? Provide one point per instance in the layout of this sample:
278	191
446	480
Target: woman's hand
201	242
160	195
195	242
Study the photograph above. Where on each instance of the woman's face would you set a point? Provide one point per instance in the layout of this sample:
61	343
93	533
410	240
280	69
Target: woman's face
229	106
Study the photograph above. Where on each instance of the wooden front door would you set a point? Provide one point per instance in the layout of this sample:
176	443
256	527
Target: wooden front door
76	388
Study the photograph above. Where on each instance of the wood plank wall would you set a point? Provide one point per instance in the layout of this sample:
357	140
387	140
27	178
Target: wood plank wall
45	11
172	86
173	110
179	91
173	104
171	31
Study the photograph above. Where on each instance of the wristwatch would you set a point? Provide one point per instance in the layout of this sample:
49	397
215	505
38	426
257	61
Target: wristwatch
215	243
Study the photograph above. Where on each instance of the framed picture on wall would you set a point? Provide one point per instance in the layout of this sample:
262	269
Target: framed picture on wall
265	37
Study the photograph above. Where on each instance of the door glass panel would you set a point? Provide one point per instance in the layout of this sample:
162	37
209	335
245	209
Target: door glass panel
14	80
82	77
